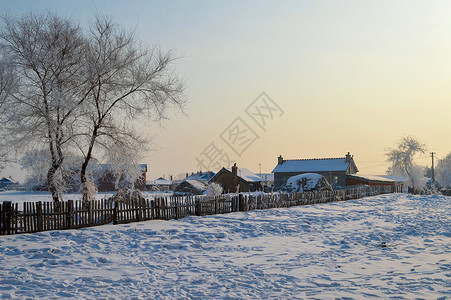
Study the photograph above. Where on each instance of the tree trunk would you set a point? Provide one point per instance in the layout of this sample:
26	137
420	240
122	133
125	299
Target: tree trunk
84	167
51	184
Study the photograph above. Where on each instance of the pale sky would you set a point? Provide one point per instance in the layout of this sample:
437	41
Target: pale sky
346	75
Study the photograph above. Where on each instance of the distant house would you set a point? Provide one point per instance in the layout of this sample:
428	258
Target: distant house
334	170
107	180
232	178
159	184
190	187
354	179
200	176
8	182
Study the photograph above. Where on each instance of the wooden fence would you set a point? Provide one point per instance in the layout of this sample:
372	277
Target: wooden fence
44	216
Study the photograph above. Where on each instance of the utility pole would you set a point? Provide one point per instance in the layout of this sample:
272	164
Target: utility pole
260	169
433	173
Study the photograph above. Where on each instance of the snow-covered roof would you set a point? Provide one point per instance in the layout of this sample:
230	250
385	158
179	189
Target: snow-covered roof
394	177
312	165
204	176
5	180
159	181
372	177
246	175
197	184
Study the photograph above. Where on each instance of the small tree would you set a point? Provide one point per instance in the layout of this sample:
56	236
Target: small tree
401	159
443	171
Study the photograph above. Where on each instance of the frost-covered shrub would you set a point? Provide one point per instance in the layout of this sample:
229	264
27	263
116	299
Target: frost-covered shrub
307	182
214	189
443	171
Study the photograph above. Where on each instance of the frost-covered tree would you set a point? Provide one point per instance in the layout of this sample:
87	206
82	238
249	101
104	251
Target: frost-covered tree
401	159
127	82
443	171
46	52
125	163
81	90
38	161
8	83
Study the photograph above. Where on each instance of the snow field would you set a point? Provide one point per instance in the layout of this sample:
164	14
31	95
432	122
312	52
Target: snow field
388	246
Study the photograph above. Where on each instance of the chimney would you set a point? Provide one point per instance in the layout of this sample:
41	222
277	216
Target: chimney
234	186
186	175
348	157
234	170
280	160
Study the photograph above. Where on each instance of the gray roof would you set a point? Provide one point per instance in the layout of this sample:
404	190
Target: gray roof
312	165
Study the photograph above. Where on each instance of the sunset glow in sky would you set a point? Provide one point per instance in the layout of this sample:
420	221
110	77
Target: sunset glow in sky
345	75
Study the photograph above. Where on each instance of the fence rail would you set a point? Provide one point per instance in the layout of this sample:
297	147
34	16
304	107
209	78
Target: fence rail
43	216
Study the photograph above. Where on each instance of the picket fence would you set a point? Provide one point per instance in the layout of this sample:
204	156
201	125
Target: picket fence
43	216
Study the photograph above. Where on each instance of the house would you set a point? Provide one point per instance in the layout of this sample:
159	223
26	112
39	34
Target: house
334	170
8	183
190	187
372	180
107	180
159	184
233	178
200	176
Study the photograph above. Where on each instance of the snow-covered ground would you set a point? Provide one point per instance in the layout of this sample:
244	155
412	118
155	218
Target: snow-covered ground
389	246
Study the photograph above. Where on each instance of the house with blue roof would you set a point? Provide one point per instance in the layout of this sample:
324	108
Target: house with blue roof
200	176
335	170
8	182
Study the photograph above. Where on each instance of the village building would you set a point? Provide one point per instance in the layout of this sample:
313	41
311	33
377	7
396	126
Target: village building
235	180
107	180
159	184
200	176
335	170
190	187
373	180
6	183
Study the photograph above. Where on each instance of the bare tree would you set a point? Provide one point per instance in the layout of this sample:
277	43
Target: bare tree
46	52
127	81
401	159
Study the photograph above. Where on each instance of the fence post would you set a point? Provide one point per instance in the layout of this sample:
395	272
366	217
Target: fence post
241	205
197	209
89	204
70	214
115	211
39	220
137	209
7	216
176	204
